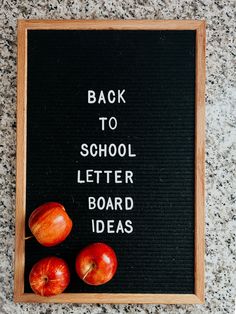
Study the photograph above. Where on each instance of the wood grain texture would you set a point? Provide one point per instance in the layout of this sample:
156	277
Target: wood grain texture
20	161
200	162
113	298
112	24
23	26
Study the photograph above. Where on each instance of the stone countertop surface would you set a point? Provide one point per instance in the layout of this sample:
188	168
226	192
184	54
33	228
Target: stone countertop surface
220	141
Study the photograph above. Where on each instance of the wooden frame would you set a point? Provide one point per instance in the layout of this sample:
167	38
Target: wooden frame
23	27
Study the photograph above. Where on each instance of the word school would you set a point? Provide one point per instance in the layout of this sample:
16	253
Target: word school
104	150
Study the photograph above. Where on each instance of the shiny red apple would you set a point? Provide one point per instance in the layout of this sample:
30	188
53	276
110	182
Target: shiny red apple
50	224
96	264
49	276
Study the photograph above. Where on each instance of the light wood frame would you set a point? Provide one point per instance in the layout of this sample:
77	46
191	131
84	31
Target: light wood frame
199	27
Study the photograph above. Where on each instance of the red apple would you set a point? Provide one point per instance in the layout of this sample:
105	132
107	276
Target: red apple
50	224
96	264
49	276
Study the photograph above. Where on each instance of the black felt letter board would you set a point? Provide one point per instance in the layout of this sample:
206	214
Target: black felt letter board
157	71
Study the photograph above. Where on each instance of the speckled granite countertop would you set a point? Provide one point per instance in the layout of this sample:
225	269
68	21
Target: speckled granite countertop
220	141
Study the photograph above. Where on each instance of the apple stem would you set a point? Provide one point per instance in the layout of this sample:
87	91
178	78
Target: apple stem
26	238
92	266
45	279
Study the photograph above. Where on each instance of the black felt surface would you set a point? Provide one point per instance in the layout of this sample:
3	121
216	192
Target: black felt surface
157	69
